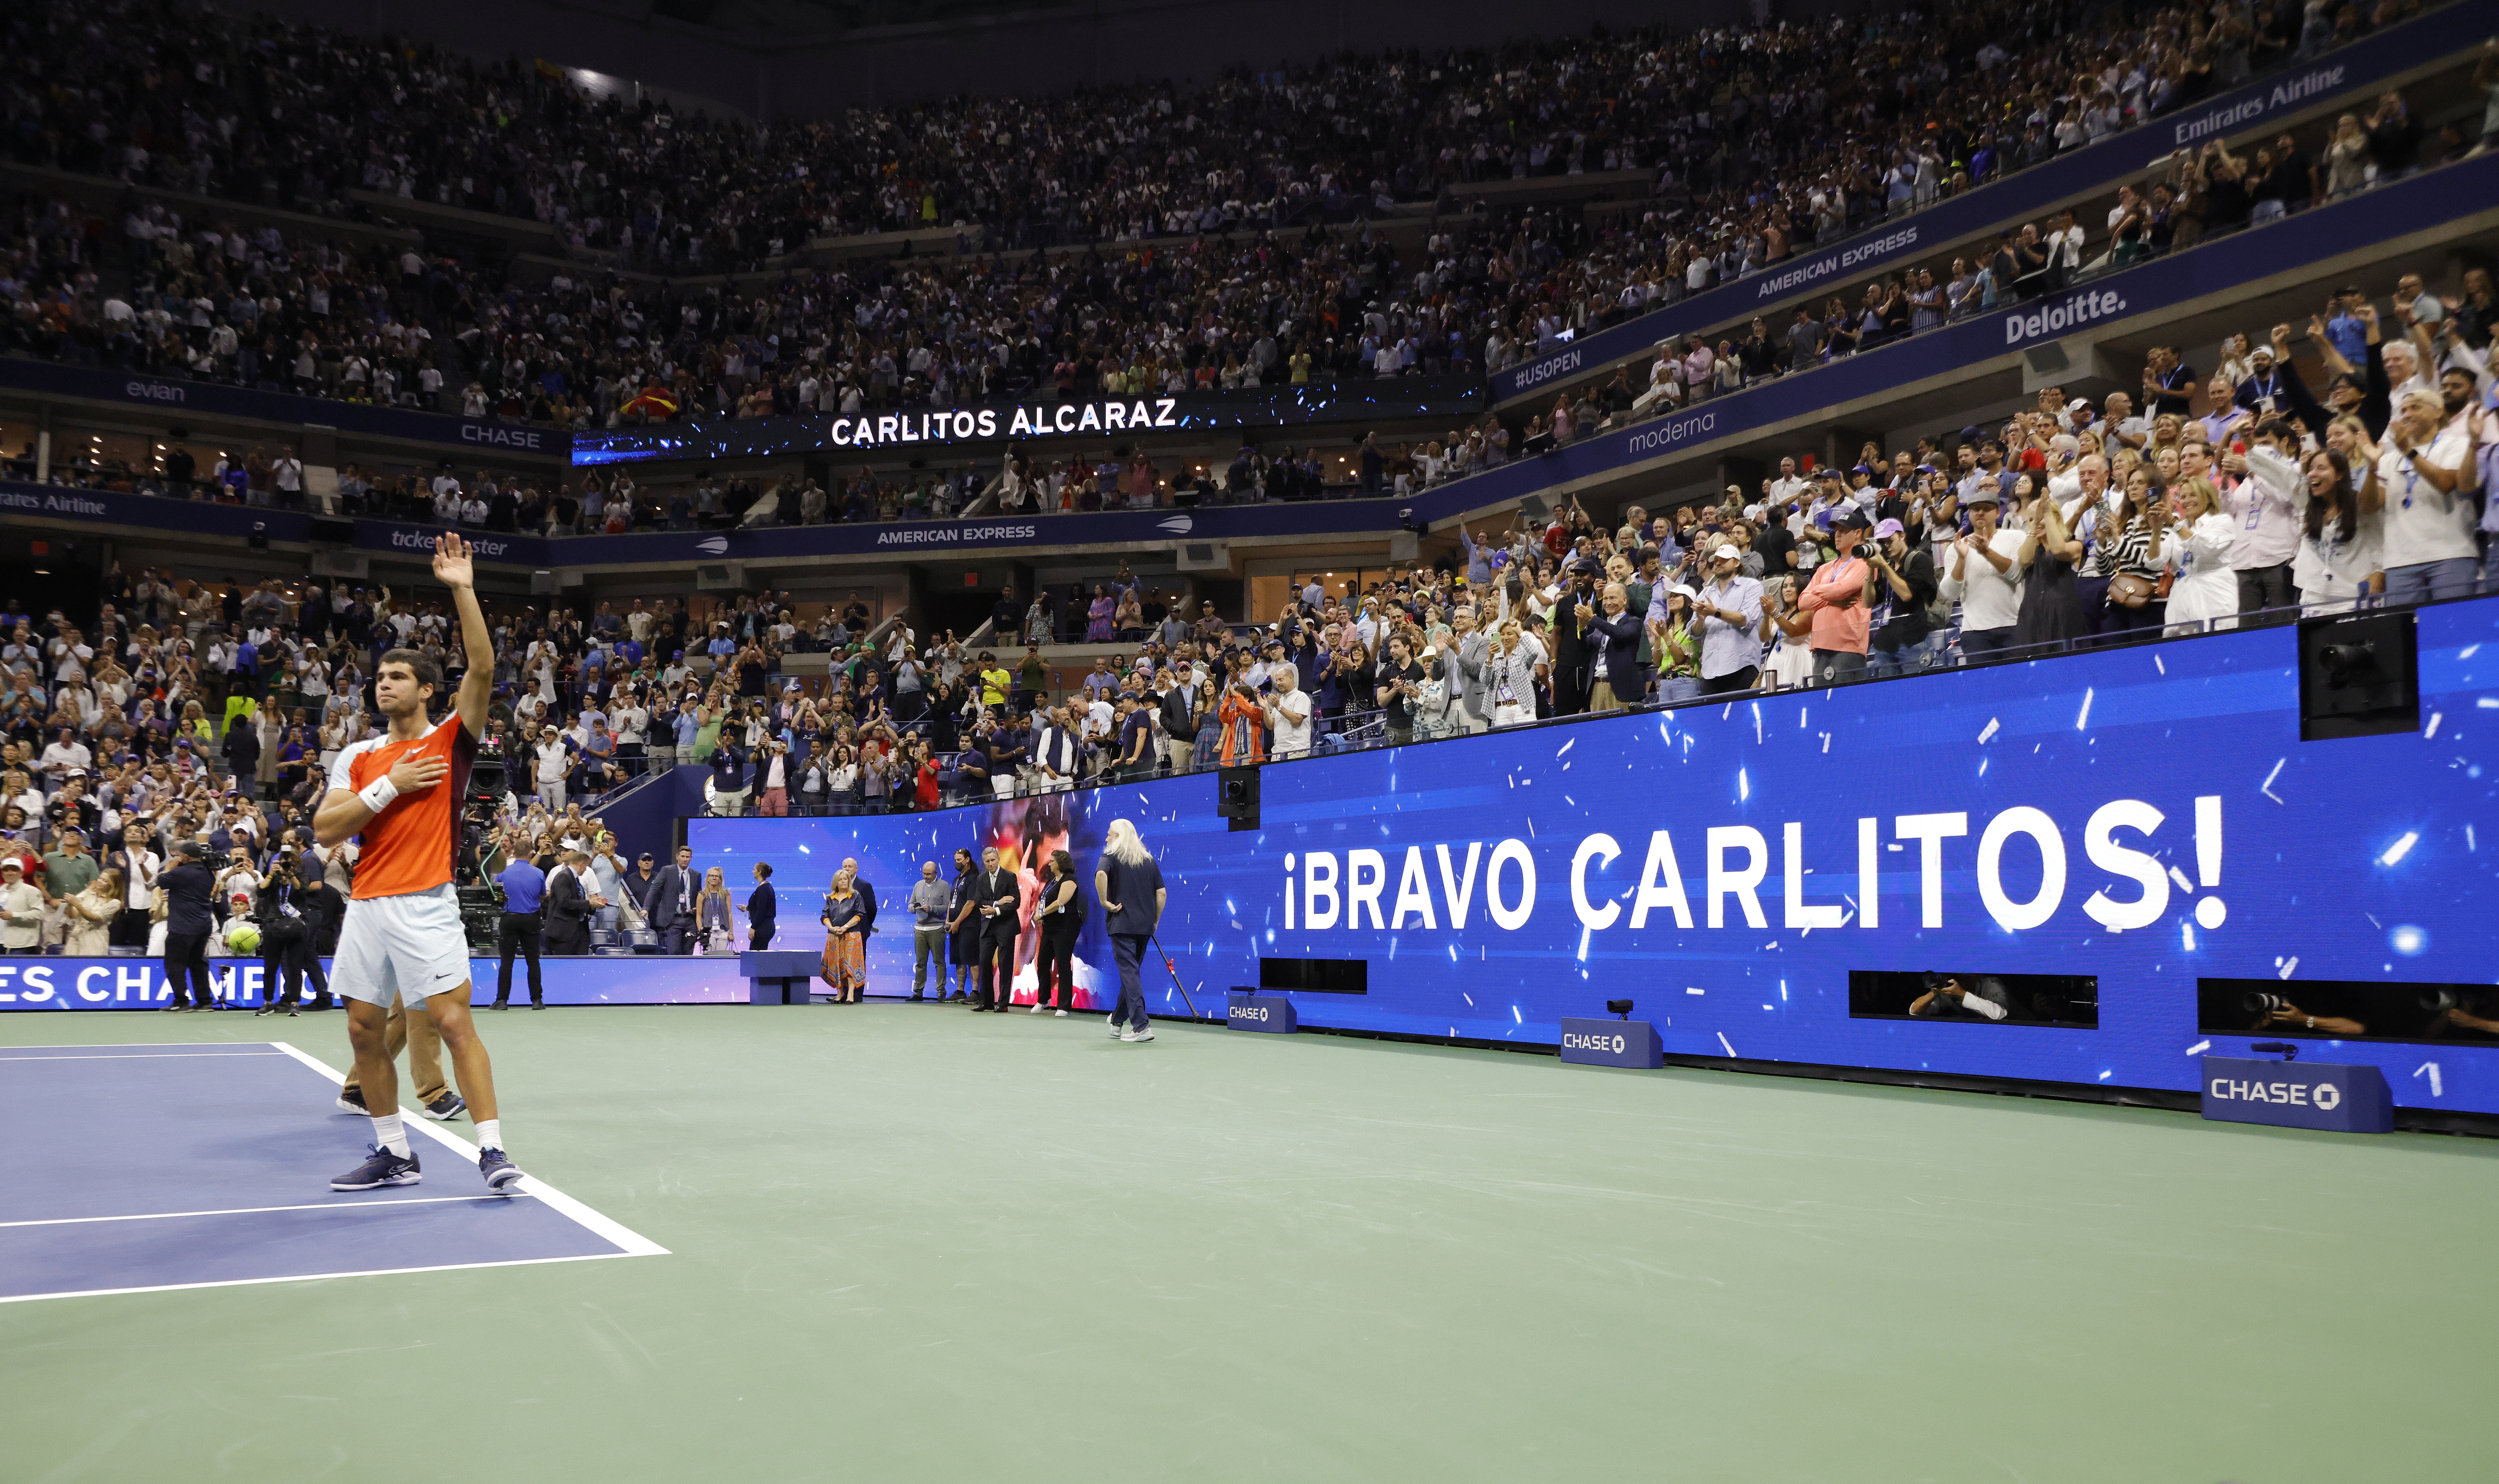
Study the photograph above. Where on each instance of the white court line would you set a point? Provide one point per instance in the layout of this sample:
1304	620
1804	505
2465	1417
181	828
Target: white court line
253	1210
634	1243
310	1278
143	1056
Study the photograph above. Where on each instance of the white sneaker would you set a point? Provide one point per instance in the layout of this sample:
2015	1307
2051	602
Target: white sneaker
1036	1009
1062	1015
1144	1035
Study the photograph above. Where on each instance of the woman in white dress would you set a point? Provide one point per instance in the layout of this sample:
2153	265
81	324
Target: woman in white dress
2200	536
2341	541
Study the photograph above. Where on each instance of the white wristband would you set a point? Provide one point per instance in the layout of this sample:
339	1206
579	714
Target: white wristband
378	794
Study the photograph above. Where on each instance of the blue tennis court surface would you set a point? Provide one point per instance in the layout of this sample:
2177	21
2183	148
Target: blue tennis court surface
132	1168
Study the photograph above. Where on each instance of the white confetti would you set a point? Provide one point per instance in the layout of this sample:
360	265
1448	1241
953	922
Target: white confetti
1743	785
2180	877
1991	724
2431	730
2083	720
2187	932
2287	965
2488	703
1688	989
2158	665
2266	787
2401	849
1566	746
1723	1041
2198	1048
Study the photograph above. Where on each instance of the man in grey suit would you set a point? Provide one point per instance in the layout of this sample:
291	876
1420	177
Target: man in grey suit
669	901
1464	679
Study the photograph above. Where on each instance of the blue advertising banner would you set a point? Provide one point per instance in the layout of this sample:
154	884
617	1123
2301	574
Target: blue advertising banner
152	512
140	984
1363	400
175	396
1271	1013
2341	1099
2351	72
2148	818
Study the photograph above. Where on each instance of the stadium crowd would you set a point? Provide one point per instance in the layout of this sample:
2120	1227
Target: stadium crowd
185	725
1763	143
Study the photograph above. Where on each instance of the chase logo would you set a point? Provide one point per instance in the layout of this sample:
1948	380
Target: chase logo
2326	1095
1177	524
713	546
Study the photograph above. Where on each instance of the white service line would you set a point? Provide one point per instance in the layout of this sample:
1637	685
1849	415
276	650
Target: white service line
251	1210
309	1278
634	1243
143	1056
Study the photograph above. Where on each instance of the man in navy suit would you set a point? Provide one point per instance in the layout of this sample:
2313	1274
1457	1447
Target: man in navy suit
668	900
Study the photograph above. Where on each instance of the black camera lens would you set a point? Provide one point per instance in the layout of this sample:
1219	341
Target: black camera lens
2259	1003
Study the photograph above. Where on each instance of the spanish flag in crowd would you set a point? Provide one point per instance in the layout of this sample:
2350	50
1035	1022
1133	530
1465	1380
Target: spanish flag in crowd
654	400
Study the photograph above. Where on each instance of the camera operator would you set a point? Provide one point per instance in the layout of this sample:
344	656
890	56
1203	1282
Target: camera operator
1905	577
282	934
2276	1012
324	909
1985	997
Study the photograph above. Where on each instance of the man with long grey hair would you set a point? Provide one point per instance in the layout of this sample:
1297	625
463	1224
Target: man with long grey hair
1130	885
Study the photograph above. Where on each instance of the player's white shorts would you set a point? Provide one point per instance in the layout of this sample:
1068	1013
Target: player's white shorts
393	947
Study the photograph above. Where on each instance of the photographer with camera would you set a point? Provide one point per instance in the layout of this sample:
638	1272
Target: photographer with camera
1983	997
282	934
2274	1013
1899	629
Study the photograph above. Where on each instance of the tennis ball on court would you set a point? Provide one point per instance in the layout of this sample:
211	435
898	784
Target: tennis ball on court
243	938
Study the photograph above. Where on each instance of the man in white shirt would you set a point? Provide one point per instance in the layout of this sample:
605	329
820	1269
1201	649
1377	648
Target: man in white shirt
554	759
1983	575
2427	479
65	756
1289	712
2267	503
1790	485
1054	755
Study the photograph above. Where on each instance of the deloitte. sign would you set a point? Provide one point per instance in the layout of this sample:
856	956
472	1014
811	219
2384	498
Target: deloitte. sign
2070	313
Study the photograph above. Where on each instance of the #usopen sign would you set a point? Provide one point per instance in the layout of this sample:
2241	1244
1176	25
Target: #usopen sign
1630	886
1045	419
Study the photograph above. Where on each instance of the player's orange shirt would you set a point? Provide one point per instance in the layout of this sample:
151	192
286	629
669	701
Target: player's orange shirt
409	846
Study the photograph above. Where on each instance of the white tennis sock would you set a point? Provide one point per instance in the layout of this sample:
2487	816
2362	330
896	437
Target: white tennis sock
490	1134
390	1135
